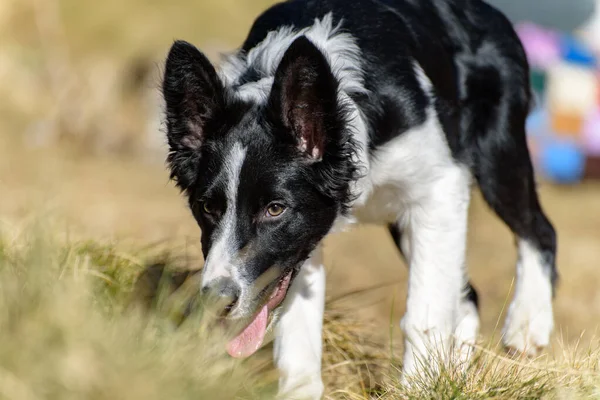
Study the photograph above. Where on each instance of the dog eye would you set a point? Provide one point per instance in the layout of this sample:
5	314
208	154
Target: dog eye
207	208
275	210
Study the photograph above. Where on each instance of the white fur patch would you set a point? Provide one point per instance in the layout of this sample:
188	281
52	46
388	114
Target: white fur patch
340	49
529	321
402	172
218	261
298	336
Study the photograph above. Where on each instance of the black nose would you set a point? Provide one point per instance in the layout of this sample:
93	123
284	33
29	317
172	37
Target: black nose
221	295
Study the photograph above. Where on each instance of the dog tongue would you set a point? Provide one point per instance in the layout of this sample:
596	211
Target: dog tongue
247	342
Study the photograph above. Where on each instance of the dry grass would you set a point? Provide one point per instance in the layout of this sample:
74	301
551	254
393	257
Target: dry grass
69	331
65	334
85	73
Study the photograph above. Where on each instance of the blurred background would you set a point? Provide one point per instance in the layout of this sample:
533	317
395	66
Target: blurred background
81	144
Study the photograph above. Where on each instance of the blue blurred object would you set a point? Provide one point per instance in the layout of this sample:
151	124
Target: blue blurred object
563	161
576	52
537	122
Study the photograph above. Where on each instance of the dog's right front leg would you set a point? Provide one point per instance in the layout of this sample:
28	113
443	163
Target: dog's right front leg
438	228
297	347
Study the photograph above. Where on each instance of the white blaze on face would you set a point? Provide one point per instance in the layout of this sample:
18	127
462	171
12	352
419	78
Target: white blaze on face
218	261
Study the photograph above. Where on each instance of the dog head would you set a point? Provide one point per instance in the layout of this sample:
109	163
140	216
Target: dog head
265	180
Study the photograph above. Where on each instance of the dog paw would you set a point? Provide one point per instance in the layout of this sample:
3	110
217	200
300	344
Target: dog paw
465	334
313	390
527	330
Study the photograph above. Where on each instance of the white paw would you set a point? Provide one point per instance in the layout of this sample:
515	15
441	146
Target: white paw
529	321
424	351
528	327
310	388
466	332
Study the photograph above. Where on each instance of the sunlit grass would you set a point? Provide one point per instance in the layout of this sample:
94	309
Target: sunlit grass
66	333
71	328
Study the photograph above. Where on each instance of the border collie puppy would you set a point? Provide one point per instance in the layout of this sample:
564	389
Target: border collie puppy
372	111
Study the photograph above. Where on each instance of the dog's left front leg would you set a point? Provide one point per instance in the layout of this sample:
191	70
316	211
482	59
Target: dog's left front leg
298	336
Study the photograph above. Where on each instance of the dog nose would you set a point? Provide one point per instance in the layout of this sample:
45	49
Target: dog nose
222	294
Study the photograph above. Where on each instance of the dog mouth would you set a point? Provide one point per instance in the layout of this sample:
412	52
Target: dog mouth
249	340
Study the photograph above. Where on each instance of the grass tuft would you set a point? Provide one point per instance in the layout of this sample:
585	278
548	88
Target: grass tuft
71	329
61	341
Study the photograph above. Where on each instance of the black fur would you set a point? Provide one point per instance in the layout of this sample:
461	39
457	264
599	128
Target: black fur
480	75
204	121
194	96
480	92
304	101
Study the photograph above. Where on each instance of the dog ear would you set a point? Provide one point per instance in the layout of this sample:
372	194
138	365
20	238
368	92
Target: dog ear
193	96
304	97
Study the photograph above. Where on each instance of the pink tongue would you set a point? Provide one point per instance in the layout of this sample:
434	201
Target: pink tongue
247	342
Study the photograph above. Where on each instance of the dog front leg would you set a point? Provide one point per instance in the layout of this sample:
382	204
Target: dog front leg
438	227
298	336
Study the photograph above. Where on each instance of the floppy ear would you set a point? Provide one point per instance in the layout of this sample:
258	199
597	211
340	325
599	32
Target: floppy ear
304	97
193	96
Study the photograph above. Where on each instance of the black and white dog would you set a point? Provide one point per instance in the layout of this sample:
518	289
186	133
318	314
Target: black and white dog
335	112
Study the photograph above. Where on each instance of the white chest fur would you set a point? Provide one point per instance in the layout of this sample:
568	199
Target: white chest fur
401	173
